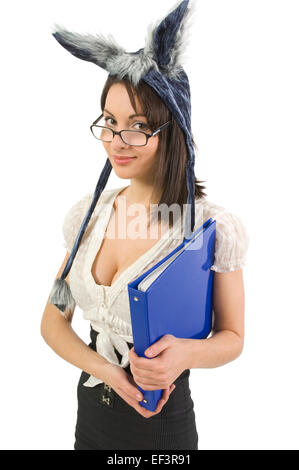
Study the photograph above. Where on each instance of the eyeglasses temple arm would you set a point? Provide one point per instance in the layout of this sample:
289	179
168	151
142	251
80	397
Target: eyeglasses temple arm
97	120
160	128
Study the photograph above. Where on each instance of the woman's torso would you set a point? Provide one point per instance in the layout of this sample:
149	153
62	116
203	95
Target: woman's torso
103	267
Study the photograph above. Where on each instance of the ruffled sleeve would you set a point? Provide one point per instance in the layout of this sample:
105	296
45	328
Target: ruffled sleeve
231	243
73	220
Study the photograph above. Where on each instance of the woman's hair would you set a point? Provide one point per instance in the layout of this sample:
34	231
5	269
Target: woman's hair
171	158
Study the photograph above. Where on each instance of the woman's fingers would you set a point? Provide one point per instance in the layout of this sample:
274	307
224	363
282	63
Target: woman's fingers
132	390
148	414
119	380
167	392
128	391
133	402
163	400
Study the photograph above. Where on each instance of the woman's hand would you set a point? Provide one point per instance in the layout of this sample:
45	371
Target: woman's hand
124	385
169	361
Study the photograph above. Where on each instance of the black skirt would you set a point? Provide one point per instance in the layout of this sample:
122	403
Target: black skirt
106	422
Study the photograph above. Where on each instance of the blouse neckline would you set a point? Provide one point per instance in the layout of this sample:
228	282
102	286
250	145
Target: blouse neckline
97	237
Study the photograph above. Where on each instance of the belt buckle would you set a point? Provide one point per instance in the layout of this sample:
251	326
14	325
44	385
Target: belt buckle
107	397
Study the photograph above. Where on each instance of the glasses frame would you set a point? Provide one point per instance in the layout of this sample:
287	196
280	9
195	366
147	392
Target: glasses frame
148	136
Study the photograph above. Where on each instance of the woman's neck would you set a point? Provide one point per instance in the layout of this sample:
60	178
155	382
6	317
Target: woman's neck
140	193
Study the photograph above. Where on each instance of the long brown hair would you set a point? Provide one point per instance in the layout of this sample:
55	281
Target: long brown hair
171	158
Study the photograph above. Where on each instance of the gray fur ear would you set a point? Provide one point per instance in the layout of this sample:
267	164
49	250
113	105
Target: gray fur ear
167	38
106	53
97	49
164	48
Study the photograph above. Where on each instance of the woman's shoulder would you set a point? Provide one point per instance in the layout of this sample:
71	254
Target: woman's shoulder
232	238
210	208
75	214
82	204
215	211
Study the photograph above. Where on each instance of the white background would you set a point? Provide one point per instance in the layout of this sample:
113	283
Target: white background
243	72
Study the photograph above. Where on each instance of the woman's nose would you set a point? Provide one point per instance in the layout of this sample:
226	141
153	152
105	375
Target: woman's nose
117	142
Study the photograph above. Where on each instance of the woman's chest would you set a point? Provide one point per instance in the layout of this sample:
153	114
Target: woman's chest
125	241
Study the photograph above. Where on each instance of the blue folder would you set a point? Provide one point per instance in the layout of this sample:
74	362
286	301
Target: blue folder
174	297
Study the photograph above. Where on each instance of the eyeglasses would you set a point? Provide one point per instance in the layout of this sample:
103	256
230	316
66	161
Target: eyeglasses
135	138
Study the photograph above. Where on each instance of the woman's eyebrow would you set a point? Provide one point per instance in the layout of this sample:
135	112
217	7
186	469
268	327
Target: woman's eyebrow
130	117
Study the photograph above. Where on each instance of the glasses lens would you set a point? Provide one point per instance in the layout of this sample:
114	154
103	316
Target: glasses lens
104	134
134	138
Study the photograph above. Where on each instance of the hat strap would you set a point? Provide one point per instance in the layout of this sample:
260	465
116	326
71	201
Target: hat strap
190	209
61	295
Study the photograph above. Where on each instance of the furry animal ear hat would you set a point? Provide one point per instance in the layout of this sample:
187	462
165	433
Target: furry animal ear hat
159	64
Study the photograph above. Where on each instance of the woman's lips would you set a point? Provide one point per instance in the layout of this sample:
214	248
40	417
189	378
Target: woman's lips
122	160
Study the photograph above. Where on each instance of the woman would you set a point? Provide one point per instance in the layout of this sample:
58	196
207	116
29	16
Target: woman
109	412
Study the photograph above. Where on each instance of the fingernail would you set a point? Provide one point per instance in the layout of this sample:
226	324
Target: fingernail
139	397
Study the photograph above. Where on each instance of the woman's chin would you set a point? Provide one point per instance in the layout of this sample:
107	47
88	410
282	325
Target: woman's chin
123	171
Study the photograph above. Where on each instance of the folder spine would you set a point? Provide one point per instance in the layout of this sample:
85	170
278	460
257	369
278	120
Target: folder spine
139	318
141	335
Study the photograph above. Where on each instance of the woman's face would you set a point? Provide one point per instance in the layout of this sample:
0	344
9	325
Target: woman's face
117	112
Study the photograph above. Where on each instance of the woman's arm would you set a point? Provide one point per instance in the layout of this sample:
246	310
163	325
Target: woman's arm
170	355
60	336
227	341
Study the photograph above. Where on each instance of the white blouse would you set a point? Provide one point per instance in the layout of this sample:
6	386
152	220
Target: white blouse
107	307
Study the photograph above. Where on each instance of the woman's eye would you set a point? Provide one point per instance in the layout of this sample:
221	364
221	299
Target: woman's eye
108	119
141	124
